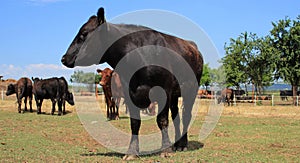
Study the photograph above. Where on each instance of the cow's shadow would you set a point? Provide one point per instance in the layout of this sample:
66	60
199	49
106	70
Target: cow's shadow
46	113
193	145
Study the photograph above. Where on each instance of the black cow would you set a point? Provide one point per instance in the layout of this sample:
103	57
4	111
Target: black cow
99	41
23	88
239	93
285	93
55	89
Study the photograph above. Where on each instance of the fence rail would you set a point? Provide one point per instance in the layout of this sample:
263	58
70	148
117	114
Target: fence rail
268	100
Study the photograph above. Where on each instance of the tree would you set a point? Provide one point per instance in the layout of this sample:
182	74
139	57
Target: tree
247	60
87	78
206	76
261	66
236	60
218	75
285	37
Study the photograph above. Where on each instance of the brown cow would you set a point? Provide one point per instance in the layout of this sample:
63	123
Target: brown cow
202	93
226	96
23	88
112	91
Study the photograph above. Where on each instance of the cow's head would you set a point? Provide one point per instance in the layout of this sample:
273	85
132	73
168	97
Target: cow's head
35	79
70	98
10	89
84	34
106	77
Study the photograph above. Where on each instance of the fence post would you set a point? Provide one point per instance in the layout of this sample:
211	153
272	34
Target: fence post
234	100
215	98
272	99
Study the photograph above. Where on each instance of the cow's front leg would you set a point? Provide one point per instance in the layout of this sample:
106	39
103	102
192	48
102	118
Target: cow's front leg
135	124
39	103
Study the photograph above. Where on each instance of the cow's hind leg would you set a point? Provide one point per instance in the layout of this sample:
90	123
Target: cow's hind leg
135	124
163	123
19	104
30	103
59	103
176	121
25	103
53	106
182	144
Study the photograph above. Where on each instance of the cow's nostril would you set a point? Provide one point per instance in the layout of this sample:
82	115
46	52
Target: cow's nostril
63	60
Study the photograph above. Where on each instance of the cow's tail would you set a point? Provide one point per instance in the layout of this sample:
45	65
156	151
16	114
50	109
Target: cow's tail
23	91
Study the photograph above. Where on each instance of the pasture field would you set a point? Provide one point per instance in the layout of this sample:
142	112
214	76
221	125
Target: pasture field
243	134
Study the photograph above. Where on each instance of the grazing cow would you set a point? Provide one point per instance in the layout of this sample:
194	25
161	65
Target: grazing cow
113	92
23	88
99	41
65	94
54	89
226	96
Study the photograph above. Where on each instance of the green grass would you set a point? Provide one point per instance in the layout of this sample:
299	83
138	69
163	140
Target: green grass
238	137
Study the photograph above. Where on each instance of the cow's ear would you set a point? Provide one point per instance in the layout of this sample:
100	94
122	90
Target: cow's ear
32	79
100	16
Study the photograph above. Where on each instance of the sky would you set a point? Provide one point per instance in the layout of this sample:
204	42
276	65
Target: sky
36	33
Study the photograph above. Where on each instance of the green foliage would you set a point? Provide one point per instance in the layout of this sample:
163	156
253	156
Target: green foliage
83	77
247	60
206	77
218	75
285	37
86	78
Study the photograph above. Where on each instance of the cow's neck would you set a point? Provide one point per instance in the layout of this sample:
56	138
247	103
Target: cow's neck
114	32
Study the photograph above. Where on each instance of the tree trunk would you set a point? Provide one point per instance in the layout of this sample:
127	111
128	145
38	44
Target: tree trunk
295	89
252	92
246	90
96	90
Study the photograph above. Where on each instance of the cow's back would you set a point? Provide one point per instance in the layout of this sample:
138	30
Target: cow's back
24	87
46	88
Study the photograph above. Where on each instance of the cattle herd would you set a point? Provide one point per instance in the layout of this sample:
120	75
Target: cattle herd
54	88
100	42
227	95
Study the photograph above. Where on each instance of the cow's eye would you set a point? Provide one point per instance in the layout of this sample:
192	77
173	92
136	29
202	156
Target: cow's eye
83	36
